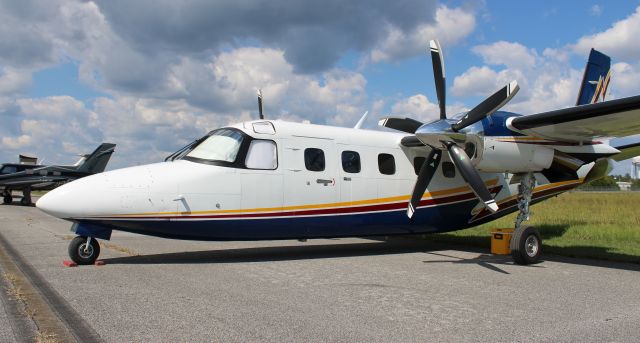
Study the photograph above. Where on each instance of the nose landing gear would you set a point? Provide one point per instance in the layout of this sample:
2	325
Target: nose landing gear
84	250
526	244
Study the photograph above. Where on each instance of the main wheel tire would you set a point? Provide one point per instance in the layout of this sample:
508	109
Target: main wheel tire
527	245
25	201
7	199
82	254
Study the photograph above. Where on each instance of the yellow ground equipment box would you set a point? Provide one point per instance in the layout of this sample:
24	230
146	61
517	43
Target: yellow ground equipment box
500	239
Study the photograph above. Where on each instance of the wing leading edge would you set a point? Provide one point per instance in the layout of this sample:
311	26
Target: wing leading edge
614	118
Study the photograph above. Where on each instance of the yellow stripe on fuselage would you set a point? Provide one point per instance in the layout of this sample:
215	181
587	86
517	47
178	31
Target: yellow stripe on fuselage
426	195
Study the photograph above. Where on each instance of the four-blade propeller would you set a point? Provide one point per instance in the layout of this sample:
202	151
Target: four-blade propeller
440	134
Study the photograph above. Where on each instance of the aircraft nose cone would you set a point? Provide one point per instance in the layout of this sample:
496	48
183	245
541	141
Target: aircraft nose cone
141	189
60	201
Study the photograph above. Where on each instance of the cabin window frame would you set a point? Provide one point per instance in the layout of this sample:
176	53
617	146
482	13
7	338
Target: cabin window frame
448	169
380	164
359	160
307	163
249	151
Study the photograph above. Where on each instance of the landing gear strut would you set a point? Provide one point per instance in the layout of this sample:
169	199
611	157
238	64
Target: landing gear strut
526	244
84	250
6	197
26	197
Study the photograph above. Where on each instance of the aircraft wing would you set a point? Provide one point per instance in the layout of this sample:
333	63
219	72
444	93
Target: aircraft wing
24	181
614	118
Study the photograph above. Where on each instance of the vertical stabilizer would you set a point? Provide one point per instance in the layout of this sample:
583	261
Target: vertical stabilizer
97	160
596	78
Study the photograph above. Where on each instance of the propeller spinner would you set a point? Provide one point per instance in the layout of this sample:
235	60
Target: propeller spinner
440	134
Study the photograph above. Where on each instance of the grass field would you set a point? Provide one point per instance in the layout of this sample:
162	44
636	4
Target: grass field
580	224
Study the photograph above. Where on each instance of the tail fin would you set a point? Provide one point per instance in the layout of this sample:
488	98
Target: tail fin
97	160
596	78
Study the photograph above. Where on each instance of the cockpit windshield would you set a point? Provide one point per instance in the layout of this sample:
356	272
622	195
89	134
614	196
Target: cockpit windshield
221	145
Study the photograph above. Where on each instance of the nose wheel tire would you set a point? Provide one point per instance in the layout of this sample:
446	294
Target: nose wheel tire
526	245
81	252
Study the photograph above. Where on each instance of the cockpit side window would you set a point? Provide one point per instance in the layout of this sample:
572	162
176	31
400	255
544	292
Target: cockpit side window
8	170
222	145
262	154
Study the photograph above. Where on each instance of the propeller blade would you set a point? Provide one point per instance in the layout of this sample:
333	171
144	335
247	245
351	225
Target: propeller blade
407	125
470	174
488	106
437	60
427	170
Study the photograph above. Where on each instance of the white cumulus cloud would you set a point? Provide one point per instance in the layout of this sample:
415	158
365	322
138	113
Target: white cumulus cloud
619	41
451	25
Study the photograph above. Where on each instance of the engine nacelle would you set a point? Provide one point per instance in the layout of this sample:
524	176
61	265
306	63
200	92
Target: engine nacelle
499	155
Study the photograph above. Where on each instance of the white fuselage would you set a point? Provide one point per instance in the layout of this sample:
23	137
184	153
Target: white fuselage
195	200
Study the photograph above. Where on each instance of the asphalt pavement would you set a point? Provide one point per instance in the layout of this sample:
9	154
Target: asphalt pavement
339	290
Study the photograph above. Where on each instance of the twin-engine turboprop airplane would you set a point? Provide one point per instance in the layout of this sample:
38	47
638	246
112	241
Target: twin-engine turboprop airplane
33	177
270	179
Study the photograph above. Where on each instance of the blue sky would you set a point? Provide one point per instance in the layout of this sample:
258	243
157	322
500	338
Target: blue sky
152	75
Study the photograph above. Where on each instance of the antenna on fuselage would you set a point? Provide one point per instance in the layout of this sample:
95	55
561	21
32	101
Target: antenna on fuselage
361	121
260	103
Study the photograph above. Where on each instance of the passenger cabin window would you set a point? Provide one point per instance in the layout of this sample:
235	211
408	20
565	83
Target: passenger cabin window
417	164
448	170
262	154
386	164
350	161
314	159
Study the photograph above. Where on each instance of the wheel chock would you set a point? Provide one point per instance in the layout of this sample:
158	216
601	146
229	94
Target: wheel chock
68	263
99	263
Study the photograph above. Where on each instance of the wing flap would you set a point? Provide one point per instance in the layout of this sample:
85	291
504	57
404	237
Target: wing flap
615	118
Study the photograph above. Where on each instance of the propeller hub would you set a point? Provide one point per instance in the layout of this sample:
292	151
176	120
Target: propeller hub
434	133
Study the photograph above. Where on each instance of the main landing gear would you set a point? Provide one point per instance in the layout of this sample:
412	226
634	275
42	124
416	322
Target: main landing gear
526	244
26	197
6	197
84	250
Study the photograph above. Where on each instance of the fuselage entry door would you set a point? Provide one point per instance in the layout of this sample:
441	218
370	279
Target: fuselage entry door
310	173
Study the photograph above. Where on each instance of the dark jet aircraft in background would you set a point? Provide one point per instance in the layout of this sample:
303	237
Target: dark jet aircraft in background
32	177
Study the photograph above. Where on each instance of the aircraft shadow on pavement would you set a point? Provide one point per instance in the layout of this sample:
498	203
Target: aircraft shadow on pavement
375	247
18	204
488	261
285	253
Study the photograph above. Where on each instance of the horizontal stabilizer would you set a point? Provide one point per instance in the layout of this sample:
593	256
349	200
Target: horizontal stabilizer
627	151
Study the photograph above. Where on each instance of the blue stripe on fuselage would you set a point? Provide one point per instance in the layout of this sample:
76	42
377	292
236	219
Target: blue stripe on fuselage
425	220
